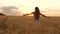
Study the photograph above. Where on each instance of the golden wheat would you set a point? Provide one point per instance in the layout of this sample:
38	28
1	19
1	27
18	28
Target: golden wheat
26	25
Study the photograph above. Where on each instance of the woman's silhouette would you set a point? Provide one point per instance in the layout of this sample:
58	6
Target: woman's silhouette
36	14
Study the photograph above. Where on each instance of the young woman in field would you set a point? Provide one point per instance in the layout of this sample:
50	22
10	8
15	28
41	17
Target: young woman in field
36	14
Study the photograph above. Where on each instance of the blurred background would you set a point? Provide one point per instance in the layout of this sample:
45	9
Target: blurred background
20	7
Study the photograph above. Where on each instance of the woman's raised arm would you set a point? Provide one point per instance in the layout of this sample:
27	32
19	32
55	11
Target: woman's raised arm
44	15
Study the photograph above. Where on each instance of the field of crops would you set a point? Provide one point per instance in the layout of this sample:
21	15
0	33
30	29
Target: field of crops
26	25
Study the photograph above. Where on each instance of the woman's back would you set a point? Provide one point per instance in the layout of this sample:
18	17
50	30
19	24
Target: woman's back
36	13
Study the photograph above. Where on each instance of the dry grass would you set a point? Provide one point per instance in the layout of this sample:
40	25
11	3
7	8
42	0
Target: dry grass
25	25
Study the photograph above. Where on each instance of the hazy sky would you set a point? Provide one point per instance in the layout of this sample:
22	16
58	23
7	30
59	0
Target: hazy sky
28	5
31	3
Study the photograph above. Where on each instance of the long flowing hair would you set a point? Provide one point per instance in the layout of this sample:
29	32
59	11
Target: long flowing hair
37	10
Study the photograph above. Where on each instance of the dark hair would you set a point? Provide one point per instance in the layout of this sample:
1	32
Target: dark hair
37	9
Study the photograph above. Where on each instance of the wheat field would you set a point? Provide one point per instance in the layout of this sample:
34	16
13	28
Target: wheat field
26	25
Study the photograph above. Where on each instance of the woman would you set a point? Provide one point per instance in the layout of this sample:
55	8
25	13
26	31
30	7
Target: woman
36	14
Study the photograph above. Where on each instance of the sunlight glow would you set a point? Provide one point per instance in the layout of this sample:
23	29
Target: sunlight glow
27	6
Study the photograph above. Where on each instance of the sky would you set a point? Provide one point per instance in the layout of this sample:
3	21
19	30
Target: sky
27	6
